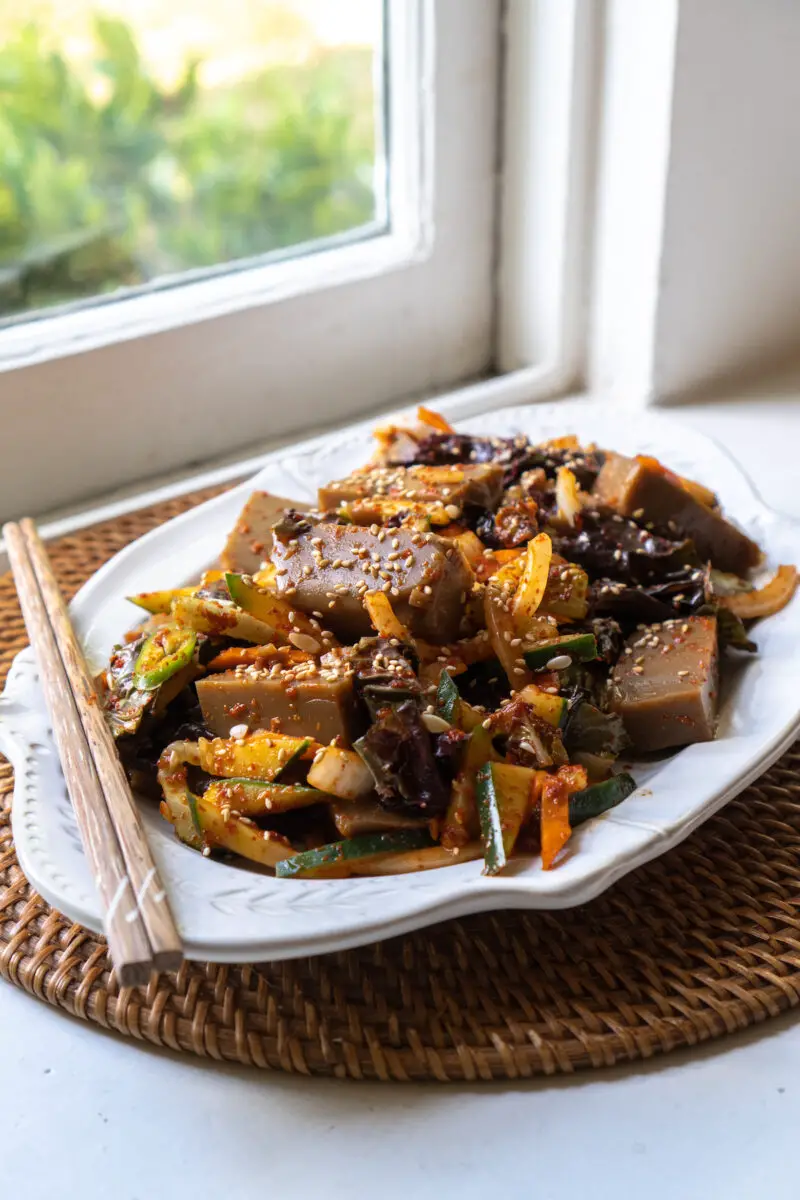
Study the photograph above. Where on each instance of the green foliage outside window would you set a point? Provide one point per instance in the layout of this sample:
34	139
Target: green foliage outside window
101	194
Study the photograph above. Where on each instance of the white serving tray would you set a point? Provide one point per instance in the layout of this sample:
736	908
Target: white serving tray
229	913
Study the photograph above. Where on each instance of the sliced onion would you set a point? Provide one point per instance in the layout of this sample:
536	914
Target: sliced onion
568	496
533	583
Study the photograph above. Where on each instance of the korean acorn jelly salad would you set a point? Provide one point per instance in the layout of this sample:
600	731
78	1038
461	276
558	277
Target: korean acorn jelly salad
441	662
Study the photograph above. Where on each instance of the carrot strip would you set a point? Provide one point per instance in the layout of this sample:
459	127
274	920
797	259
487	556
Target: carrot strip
555	818
434	419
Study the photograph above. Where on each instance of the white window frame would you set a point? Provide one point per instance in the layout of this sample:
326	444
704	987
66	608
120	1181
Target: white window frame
130	390
583	275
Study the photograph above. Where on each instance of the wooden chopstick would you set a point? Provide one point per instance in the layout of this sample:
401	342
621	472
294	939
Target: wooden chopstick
150	895
127	937
150	904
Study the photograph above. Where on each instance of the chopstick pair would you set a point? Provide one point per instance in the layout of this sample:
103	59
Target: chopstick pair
138	923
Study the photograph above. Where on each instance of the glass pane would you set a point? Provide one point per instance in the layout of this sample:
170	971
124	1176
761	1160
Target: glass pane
144	138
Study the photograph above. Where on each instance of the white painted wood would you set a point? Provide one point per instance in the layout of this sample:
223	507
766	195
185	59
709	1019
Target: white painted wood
550	94
639	46
88	421
729	289
697	269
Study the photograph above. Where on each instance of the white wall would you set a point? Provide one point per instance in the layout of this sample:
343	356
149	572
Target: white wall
697	271
730	271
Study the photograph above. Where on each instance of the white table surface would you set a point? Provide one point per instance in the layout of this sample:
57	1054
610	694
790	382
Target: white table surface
90	1115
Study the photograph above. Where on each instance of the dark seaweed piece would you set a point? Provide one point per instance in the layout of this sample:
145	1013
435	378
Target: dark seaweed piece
678	594
608	636
590	729
398	750
448	749
181	721
514	524
484	684
291	524
441	449
732	633
384	673
530	741
610	547
125	704
515	454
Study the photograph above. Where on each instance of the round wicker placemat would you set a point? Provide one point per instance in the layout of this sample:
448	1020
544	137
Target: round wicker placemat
699	943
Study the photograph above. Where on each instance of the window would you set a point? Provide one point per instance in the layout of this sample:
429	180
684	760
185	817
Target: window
431	291
144	144
544	195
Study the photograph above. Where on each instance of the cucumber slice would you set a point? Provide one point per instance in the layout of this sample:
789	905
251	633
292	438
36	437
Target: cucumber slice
426	859
580	647
179	808
261	756
451	705
552	709
195	815
504	801
461	822
222	618
160	602
165	652
255	797
275	613
448	698
335	857
238	834
599	798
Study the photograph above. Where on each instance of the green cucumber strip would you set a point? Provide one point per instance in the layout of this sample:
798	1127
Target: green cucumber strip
267	757
164	653
261	795
451	705
599	798
581	647
192	801
448	698
459	820
552	709
504	799
370	845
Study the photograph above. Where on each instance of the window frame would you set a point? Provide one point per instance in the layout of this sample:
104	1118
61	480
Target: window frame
443	298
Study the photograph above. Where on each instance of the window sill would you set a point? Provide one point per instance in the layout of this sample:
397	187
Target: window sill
758	425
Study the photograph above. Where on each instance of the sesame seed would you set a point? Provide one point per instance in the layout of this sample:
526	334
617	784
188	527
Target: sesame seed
559	662
638	670
682	674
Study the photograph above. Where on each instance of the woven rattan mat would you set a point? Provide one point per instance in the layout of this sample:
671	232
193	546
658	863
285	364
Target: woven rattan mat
699	943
